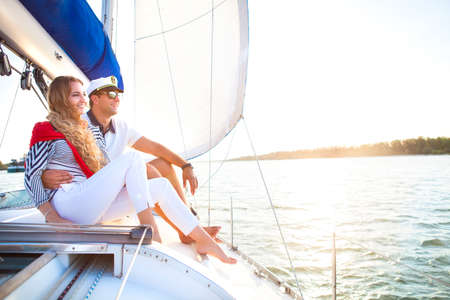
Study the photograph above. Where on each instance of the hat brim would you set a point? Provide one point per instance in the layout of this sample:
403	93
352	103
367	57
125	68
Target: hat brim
106	86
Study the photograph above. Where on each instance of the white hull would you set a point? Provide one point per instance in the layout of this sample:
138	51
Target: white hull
170	270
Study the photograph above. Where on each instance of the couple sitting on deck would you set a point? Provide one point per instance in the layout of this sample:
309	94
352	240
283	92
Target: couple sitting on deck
76	172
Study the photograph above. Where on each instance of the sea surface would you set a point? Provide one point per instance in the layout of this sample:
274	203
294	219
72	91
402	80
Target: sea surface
391	217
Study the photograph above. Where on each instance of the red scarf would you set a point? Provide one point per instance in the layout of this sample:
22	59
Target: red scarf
44	131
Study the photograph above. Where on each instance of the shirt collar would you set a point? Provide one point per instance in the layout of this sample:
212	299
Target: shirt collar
95	122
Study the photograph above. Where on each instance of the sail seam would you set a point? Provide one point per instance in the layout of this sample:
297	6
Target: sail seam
210	108
171	79
181	25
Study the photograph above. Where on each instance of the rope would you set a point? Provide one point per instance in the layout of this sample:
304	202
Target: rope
210	109
34	89
94	284
273	210
398	262
39	97
171	77
181	25
131	265
9	115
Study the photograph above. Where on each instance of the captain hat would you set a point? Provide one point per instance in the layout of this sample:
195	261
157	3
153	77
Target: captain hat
101	83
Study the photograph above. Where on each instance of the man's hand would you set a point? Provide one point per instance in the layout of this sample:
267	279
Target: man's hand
52	179
188	175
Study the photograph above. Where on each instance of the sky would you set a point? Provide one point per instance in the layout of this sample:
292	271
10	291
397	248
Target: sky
321	73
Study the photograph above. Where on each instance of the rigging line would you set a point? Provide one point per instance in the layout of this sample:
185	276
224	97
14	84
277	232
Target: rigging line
273	210
397	262
34	89
124	281
171	78
221	163
210	108
9	115
181	25
39	97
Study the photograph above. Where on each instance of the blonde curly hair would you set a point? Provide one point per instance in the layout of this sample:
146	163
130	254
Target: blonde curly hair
67	120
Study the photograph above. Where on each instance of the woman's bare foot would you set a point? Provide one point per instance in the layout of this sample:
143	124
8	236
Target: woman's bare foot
204	244
156	237
215	251
211	230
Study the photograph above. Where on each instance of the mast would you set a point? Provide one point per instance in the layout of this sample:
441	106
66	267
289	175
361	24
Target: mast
109	8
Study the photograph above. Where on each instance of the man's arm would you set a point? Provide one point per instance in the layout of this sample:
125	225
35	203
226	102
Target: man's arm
52	179
148	146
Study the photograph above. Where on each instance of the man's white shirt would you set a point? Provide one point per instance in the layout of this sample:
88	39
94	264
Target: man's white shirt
124	136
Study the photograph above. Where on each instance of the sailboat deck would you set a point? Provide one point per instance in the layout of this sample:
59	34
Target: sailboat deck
178	266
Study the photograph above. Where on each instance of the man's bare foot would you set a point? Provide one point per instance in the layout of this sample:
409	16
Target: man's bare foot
211	230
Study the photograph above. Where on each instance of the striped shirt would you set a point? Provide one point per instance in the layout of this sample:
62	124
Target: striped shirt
54	154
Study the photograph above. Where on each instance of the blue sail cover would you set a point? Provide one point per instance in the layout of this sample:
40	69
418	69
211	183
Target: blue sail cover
76	29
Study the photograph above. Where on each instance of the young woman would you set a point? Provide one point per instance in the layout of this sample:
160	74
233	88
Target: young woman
98	190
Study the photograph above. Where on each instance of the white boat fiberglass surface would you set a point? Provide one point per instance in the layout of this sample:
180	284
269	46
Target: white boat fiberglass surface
90	261
197	71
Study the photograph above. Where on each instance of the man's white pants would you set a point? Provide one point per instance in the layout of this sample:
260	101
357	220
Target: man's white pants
103	196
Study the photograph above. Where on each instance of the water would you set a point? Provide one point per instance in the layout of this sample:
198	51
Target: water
379	207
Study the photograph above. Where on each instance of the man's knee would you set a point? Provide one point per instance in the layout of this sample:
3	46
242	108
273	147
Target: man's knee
163	166
152	171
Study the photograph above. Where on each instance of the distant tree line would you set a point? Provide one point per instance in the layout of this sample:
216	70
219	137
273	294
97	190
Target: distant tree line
14	162
440	145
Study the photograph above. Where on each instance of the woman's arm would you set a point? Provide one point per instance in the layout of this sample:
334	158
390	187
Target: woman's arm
36	162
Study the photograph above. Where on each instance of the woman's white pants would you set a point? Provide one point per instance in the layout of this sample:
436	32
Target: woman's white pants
103	196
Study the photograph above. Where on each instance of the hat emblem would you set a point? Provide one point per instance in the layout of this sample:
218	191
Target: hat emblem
113	80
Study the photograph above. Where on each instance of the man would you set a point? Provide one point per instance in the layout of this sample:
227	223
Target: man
117	135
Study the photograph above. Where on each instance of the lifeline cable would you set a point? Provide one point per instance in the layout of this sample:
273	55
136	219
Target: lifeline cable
273	209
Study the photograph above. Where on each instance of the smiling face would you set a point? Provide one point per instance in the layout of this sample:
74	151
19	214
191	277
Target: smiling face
106	101
66	97
77	96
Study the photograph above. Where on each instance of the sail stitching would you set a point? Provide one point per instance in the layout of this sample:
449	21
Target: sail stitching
181	25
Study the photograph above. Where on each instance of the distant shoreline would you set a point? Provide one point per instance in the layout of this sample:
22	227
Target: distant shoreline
419	146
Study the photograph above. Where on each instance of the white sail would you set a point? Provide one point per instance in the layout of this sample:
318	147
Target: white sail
190	71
